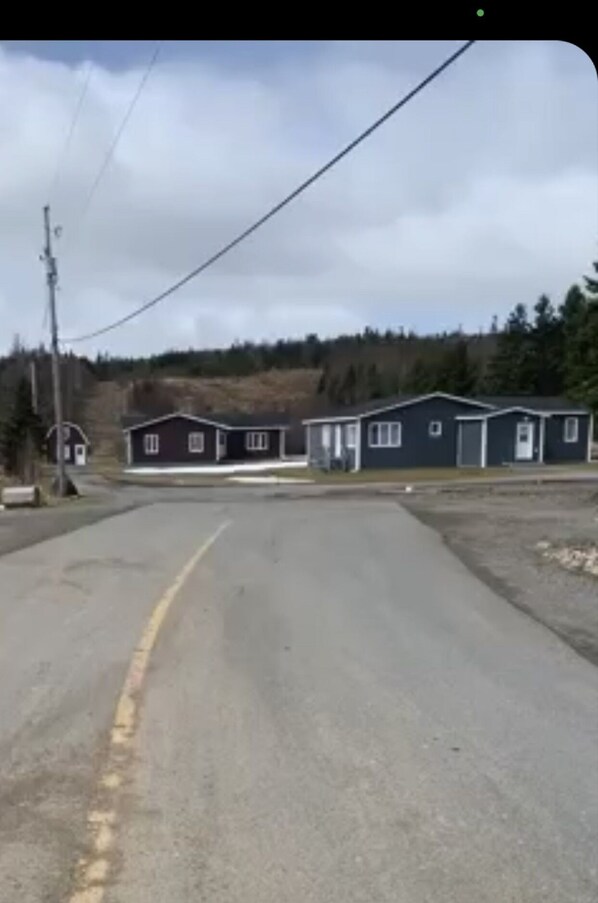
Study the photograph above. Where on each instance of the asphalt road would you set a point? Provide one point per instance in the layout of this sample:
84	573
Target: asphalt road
335	710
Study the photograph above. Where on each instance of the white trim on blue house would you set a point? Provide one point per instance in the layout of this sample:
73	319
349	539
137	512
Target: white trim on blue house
399	404
484	443
71	424
171	416
501	411
541	440
590	436
230	427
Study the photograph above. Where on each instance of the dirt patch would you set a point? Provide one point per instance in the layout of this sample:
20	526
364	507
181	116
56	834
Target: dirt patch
503	534
26	527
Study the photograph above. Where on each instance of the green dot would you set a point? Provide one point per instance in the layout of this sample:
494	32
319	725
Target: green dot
480	12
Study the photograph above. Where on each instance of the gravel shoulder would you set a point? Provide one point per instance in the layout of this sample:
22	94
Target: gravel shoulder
499	532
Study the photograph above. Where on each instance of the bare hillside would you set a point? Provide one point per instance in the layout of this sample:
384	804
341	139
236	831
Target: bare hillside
292	391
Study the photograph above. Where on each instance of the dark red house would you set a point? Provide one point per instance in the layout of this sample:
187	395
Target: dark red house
186	439
76	445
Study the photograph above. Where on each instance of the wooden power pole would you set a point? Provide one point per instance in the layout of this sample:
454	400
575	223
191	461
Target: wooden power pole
52	278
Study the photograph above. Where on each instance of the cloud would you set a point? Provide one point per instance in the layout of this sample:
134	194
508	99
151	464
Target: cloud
481	193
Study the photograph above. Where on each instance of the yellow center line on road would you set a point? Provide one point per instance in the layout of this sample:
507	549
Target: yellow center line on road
93	871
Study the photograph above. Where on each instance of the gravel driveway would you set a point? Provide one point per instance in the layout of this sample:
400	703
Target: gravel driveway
502	533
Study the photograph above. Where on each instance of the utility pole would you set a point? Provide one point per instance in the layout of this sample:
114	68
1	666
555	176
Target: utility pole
52	278
33	378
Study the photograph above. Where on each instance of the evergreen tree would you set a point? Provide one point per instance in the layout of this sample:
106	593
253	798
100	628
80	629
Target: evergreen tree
374	383
591	283
21	434
457	374
511	370
548	349
421	378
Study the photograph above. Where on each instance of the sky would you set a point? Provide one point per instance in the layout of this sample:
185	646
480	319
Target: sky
481	193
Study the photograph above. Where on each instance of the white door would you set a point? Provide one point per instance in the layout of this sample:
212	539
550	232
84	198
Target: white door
221	444
80	455
338	435
524	441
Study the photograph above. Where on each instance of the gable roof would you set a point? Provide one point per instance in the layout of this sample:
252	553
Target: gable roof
486	404
227	421
379	405
500	412
548	403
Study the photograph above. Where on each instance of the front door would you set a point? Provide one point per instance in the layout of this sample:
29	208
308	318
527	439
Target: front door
524	441
80	455
338	434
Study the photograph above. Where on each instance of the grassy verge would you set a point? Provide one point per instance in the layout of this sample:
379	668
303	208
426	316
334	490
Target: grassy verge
430	474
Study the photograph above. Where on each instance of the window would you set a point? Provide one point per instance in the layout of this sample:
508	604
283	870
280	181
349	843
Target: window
435	428
571	429
384	435
256	441
326	435
351	435
196	443
66	432
151	443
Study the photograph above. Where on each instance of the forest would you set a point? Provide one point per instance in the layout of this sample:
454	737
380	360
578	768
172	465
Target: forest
548	349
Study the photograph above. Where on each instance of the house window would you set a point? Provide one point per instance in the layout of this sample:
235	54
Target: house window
326	433
151	443
196	443
435	429
256	441
571	429
351	435
66	433
384	435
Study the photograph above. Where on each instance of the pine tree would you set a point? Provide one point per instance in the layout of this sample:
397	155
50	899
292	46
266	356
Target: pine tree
21	434
548	349
591	283
457	373
374	383
511	369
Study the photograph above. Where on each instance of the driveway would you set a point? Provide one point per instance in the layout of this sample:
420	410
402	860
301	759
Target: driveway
325	705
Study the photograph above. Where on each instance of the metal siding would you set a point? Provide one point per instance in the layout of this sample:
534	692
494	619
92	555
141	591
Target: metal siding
556	449
470	441
418	449
501	439
174	443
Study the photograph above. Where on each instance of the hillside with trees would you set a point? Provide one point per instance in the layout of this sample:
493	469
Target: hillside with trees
550	349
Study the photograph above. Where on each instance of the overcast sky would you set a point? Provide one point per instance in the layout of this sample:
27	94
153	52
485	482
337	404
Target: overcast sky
481	193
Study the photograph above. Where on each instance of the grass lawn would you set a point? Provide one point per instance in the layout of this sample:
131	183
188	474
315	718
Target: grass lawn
429	474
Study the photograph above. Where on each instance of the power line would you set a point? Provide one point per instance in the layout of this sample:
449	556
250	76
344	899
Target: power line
122	127
71	131
276	209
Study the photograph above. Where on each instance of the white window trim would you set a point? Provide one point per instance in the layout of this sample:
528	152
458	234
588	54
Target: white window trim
575	437
435	429
389	425
151	447
196	443
351	430
256	441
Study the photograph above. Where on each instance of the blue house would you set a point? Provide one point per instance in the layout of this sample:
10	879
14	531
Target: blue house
442	430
